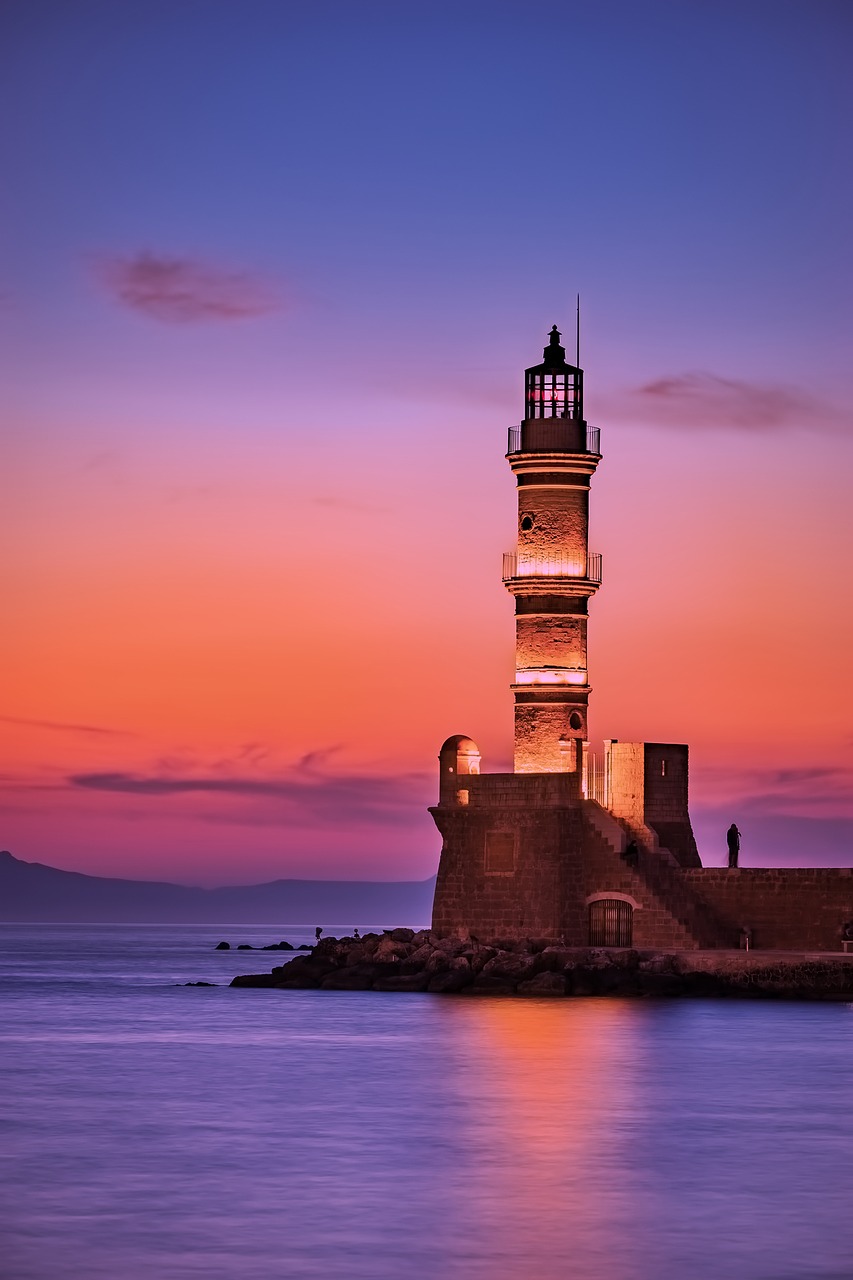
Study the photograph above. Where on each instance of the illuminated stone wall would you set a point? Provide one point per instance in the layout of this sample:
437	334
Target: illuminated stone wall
550	641
800	909
648	791
522	858
560	516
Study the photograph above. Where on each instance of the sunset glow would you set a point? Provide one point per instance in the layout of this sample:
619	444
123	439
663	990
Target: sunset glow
256	413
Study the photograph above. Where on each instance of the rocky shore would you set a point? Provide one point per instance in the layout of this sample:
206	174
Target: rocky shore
402	960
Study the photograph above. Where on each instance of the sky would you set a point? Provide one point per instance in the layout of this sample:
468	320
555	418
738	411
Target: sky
270	275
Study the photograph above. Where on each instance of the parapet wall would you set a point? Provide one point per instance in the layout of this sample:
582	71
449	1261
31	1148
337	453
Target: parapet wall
785	910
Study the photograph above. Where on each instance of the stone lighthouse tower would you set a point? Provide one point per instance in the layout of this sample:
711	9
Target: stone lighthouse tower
540	852
552	574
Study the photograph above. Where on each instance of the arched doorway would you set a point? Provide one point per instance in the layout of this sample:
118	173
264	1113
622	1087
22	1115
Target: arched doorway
611	923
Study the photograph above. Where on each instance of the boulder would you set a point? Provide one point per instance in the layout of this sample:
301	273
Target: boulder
543	984
392	949
486	986
456	975
402	935
201	984
359	978
557	959
479	957
512	966
403	982
222	946
423	955
304	946
247	946
315	967
253	980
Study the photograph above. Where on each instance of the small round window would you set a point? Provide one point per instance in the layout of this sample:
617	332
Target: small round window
575	720
527	523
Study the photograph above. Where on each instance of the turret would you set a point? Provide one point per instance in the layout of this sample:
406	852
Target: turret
552	574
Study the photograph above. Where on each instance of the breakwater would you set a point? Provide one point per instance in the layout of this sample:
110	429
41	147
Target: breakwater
403	960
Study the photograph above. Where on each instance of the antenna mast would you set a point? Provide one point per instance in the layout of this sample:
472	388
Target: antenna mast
578	339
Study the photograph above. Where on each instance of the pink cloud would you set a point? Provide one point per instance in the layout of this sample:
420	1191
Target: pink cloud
707	400
184	290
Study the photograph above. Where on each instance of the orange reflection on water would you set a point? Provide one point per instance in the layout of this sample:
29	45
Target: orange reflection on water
549	1106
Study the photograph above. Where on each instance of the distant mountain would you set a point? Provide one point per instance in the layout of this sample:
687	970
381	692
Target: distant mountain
31	891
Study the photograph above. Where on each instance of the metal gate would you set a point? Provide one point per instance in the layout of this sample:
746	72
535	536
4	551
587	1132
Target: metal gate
611	923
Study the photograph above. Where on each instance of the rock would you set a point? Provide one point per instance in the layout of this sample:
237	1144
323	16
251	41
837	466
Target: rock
253	980
246	946
311	967
285	946
422	955
480	957
222	946
422	937
359	978
451	946
201	984
544	984
511	966
657	964
597	980
392	949
486	986
402	935
304	946
403	982
557	959
454	977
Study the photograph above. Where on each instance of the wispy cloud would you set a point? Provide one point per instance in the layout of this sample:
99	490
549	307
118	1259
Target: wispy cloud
820	789
305	792
706	400
60	727
179	290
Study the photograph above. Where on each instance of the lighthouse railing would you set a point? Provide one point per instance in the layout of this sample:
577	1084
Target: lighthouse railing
520	564
553	436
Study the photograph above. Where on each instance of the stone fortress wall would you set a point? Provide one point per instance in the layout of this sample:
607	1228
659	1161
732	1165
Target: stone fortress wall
557	848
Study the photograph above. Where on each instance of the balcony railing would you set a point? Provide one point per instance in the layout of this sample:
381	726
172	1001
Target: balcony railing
519	564
553	435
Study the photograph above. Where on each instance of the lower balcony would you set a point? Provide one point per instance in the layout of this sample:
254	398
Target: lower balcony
520	564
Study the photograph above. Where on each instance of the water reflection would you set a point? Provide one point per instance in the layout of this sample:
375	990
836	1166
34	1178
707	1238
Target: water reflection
154	1131
549	1093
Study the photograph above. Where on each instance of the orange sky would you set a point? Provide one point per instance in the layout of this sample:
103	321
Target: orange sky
271	285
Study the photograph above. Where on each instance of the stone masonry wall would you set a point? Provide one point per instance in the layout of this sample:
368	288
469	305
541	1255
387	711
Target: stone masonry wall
800	909
477	892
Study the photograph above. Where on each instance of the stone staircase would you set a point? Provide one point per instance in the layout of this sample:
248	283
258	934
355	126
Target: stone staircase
658	876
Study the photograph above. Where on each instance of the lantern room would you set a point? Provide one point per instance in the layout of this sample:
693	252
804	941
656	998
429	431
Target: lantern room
553	389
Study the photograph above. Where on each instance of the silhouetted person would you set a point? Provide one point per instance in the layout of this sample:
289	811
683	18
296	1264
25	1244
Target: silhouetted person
733	841
355	933
318	932
632	853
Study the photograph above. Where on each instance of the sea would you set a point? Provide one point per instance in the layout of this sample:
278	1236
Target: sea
154	1131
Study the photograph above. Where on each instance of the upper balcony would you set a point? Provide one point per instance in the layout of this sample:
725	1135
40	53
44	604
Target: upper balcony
520	564
554	435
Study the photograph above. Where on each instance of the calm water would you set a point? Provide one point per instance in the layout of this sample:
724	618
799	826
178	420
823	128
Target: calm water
162	1132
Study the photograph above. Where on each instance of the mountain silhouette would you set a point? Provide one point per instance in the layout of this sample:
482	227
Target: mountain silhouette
31	891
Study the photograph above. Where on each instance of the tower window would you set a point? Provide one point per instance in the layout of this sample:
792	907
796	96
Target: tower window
575	721
527	523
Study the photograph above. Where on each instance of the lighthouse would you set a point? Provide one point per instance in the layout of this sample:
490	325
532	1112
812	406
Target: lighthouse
540	852
551	573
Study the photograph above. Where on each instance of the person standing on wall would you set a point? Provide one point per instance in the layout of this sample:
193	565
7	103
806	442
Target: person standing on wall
733	841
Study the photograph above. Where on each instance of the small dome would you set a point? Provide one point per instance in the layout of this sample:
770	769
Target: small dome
461	744
460	756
